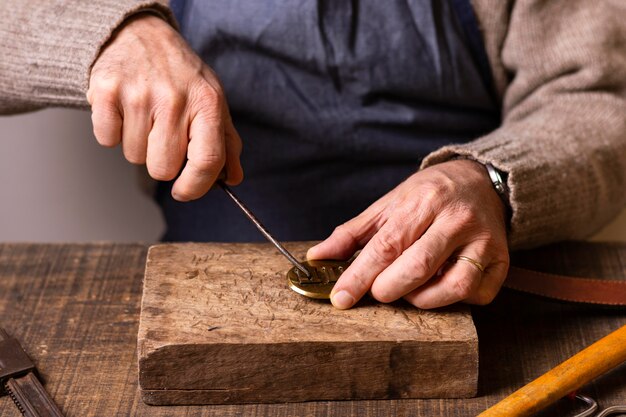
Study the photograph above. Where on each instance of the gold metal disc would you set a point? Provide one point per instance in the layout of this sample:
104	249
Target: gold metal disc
324	275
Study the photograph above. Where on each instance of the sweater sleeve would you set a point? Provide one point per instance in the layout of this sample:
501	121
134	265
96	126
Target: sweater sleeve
49	46
562	140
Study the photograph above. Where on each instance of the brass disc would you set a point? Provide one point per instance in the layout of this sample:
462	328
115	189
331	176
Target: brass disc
324	275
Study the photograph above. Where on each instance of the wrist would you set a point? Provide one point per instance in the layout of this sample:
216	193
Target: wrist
493	179
145	24
496	177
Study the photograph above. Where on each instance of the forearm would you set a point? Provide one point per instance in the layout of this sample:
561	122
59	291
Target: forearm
48	48
563	137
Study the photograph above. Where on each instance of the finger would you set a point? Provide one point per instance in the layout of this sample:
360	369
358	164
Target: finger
490	284
351	236
458	282
205	158
416	265
234	171
167	144
345	240
385	247
107	122
136	128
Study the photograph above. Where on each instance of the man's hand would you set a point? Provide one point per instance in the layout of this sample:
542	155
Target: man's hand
151	92
409	234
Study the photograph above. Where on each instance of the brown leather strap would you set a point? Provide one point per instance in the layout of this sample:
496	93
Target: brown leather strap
561	287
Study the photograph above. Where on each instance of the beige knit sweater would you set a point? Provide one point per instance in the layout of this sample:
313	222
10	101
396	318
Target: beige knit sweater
559	67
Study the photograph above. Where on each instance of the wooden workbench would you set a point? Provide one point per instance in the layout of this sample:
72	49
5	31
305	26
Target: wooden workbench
75	308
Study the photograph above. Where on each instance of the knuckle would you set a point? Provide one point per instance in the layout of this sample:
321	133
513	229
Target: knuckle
360	284
104	89
208	163
170	98
211	93
137	100
210	100
386	248
429	195
442	184
409	207
424	265
431	198
438	190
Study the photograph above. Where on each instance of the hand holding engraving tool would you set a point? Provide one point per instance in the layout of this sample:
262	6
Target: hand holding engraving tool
314	279
151	92
19	381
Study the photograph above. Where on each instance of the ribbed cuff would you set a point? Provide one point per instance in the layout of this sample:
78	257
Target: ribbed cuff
51	46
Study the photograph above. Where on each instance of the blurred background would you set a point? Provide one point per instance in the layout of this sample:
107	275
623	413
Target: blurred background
59	185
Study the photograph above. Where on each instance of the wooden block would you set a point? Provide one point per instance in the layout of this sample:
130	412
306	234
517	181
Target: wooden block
219	325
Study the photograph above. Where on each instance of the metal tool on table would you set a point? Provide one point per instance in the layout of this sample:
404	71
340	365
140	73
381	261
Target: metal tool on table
313	279
593	408
18	380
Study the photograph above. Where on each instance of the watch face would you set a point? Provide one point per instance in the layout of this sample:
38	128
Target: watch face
323	276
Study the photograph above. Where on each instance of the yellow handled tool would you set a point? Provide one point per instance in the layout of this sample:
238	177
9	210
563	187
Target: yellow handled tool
602	356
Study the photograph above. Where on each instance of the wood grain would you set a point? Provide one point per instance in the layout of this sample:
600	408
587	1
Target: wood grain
75	309
219	325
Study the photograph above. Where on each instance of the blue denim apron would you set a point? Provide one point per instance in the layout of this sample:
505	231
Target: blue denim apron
336	101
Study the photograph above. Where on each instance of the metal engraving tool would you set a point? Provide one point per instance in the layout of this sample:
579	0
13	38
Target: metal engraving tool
262	229
314	278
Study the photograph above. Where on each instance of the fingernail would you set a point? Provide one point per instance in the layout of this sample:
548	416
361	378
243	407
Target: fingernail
342	300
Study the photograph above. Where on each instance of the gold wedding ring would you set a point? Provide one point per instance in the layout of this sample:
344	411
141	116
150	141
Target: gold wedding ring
474	262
